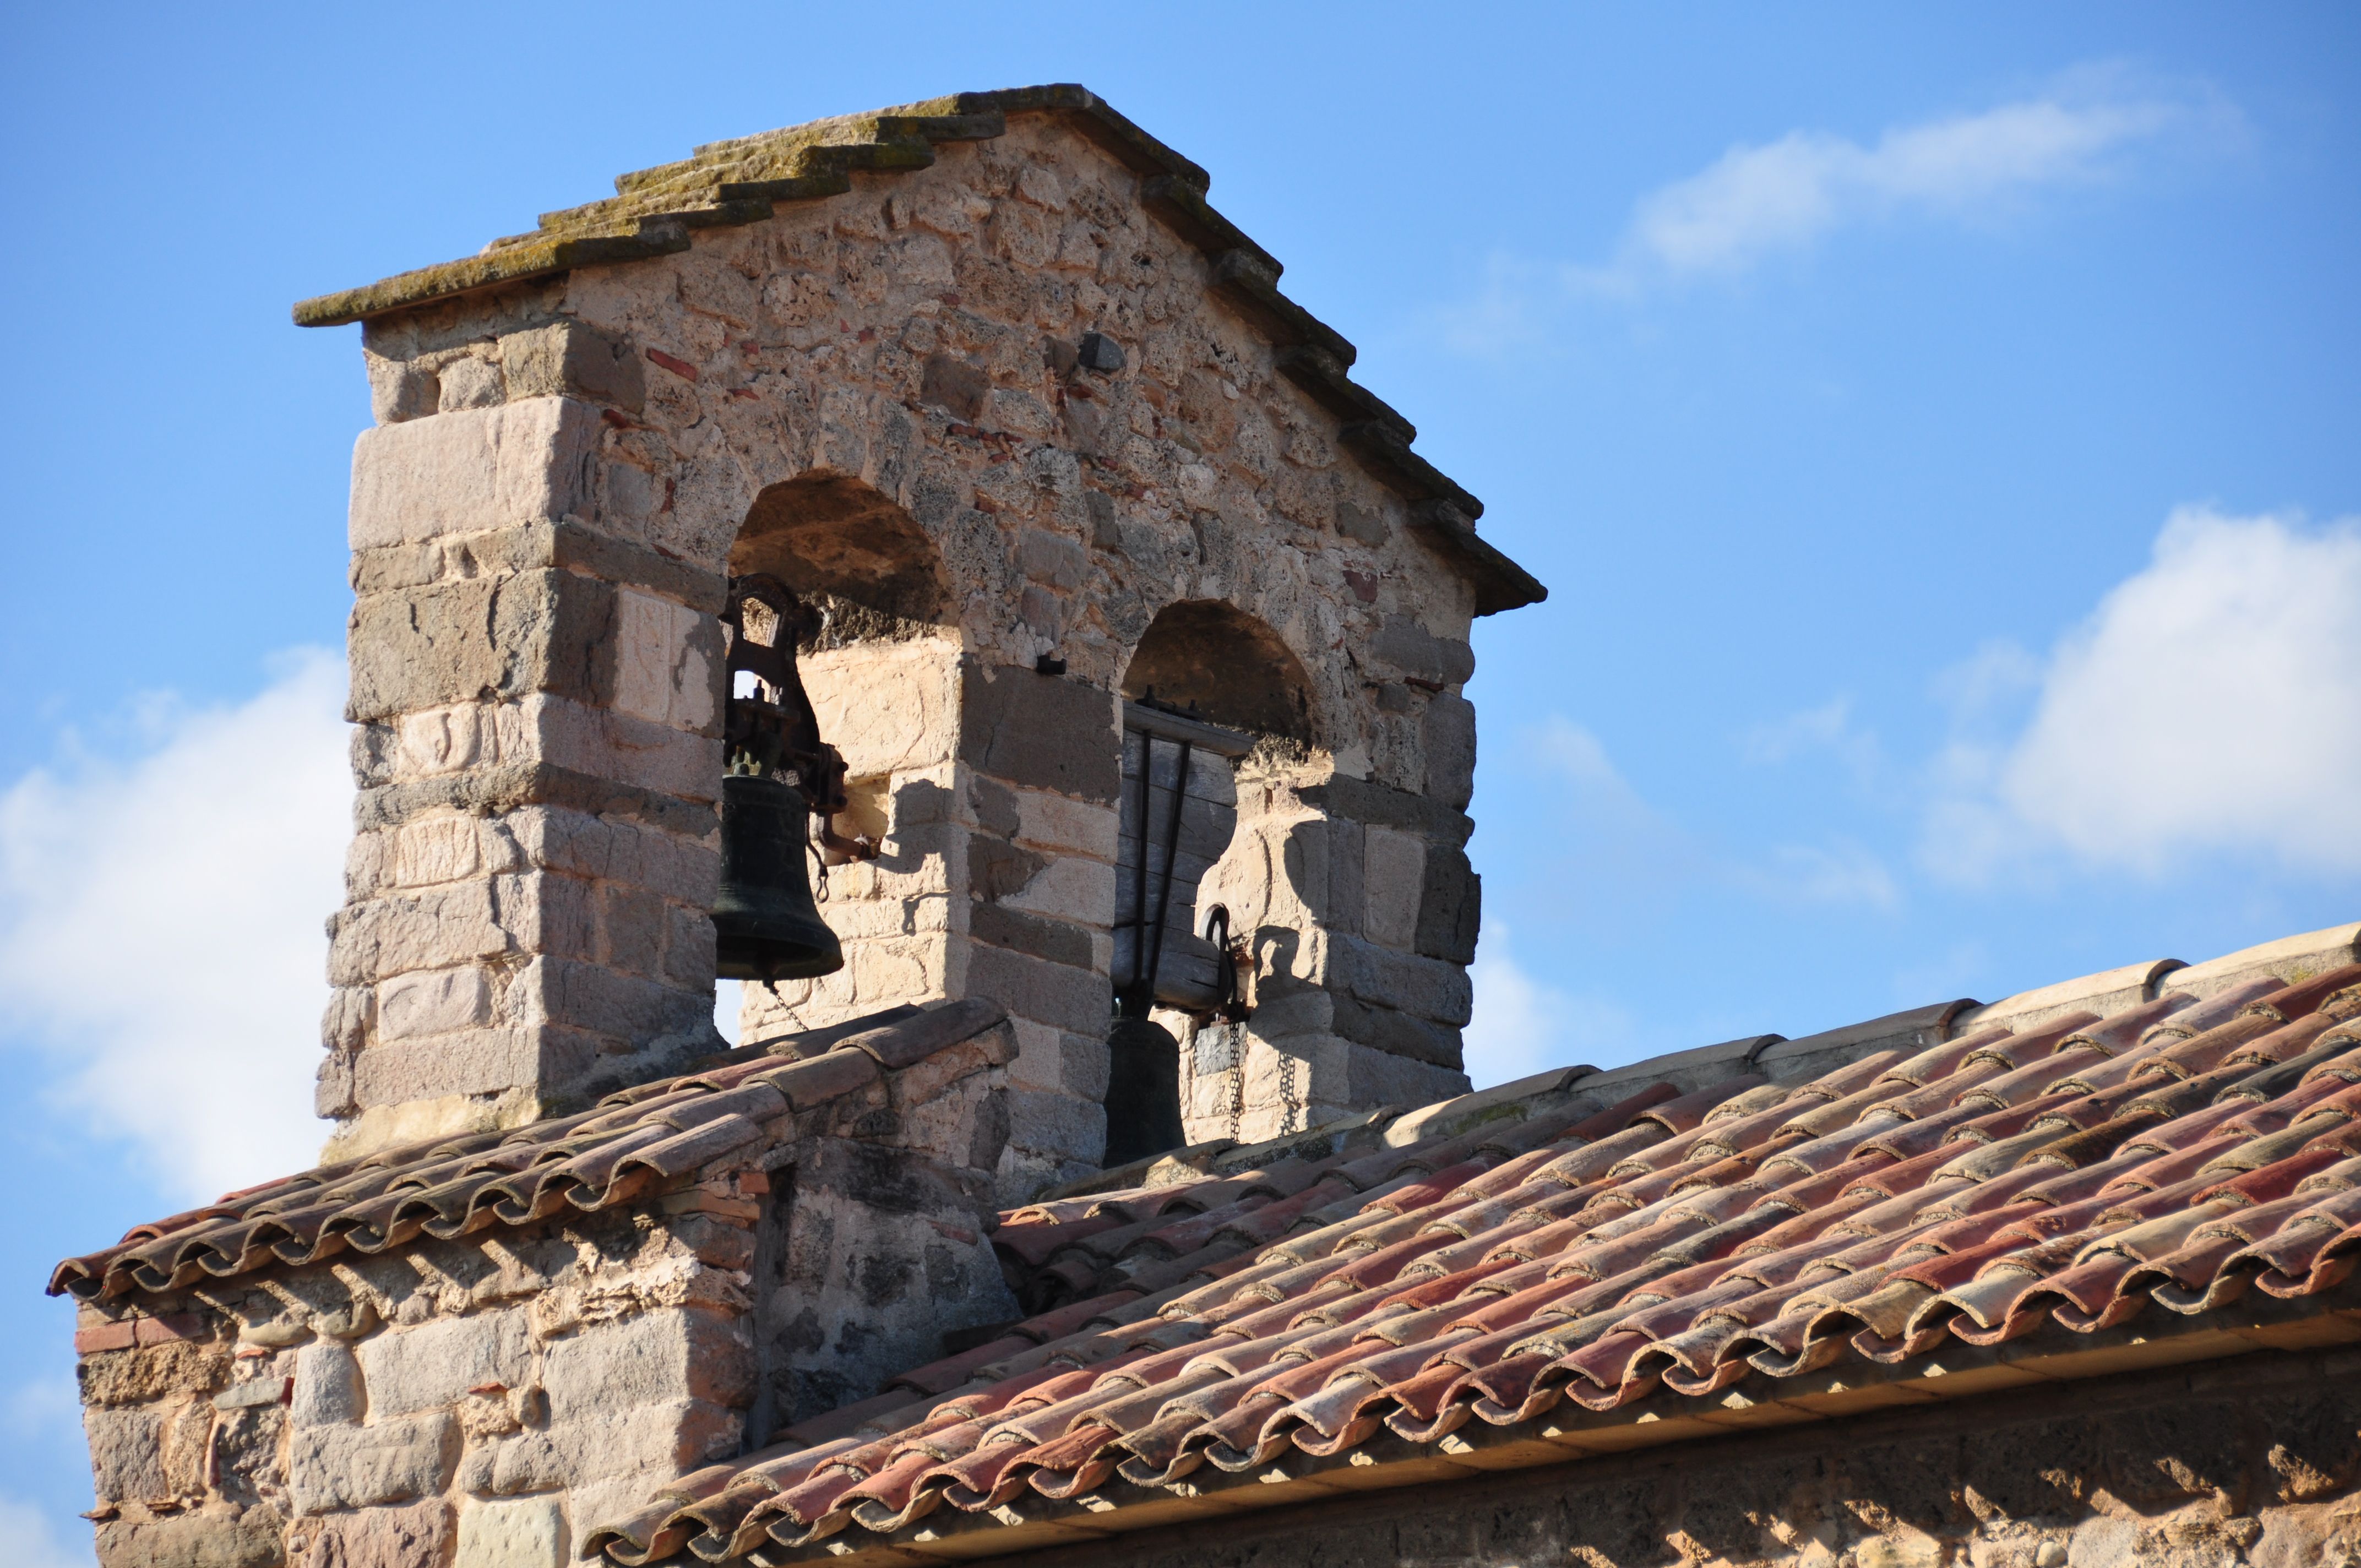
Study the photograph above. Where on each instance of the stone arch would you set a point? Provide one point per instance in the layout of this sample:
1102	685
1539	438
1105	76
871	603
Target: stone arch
1230	665
881	663
853	551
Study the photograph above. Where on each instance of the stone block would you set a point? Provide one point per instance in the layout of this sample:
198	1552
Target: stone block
1059	1060
469	382
435	1364
1040	732
1436	989
1068	827
439	849
602	744
889	709
477	1061
643	1441
1054	993
667	669
328	1390
690	949
958	387
529	1532
1450	906
1415	652
478	468
420	647
250	1537
353	1466
567	357
630	926
1451	750
126	1453
1398	1032
596	999
1068	889
1365	800
433	1002
1040	937
382	1537
617	849
1350	1077
480	639
666	1355
1063	1127
1391	886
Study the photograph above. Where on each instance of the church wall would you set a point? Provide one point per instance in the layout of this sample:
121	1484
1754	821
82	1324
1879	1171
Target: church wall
2255	1460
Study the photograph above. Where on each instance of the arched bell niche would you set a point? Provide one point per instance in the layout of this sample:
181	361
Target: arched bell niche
850	550
1216	705
1226	665
879	658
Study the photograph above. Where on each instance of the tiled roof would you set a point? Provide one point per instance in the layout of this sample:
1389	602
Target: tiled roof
2045	1177
628	1146
745	179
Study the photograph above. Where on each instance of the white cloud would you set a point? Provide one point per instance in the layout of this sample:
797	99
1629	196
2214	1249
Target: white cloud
1523	1025
161	925
1785	195
33	1543
2211	703
1759	200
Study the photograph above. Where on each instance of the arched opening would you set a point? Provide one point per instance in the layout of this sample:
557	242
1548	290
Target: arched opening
1231	668
851	552
879	665
1194	839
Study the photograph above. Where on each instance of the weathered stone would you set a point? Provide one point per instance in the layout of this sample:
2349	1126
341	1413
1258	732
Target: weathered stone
353	1466
480	468
1451	750
1432	988
433	1002
567	357
1450	906
381	1536
1042	731
249	1537
435	1365
469	382
527	1533
1076	999
1056	940
1394	871
668	1353
956	386
328	1390
126	1453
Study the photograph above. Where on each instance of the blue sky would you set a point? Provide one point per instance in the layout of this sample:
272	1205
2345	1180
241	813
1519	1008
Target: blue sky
1936	426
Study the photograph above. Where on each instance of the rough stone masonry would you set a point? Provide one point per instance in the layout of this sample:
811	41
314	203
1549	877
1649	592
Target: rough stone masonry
1028	421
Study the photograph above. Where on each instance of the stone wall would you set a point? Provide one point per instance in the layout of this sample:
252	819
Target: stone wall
478	1403
2254	1459
1019	383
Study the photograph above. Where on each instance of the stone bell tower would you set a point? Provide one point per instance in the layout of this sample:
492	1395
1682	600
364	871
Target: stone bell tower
1058	470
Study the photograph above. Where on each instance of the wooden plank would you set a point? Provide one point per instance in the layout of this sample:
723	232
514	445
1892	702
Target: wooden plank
1200	733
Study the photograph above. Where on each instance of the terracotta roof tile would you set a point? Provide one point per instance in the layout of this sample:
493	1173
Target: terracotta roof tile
2053	1181
636	1141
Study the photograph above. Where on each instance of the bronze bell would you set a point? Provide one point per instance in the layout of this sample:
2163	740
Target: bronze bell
766	925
